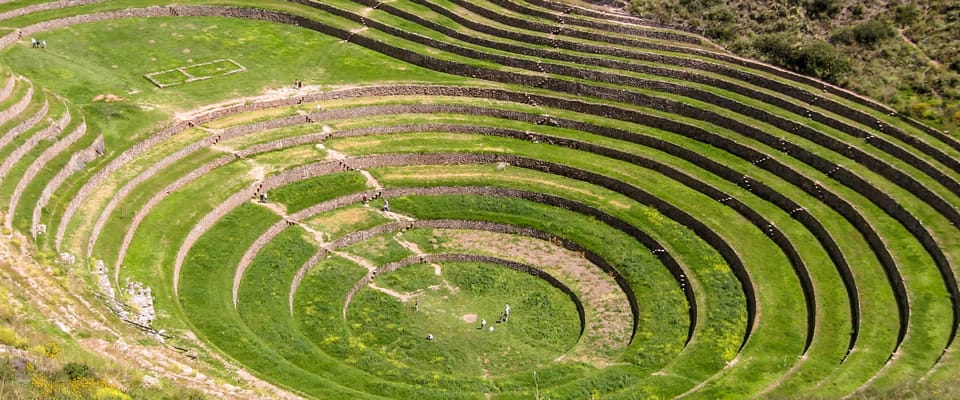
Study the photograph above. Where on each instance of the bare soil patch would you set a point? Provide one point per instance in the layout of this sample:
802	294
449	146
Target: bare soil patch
109	98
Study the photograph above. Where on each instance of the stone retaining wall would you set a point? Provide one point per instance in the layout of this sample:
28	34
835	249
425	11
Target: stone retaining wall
53	5
41	162
8	87
50	132
25	125
150	204
265	238
76	164
448	66
18	107
234	201
732	59
448	91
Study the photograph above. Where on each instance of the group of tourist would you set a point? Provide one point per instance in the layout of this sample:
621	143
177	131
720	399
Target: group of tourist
504	316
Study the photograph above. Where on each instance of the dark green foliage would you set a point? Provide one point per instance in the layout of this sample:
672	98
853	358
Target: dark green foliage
722	24
699	4
906	15
881	65
858	9
75	371
713	18
822	9
844	35
817	58
822	60
871	33
777	48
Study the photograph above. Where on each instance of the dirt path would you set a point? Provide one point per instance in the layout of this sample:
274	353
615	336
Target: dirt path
317	235
437	269
936	64
371	181
363	262
269	95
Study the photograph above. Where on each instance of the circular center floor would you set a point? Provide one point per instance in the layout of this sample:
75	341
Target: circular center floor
392	319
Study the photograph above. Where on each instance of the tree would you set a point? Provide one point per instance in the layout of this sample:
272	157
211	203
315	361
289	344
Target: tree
822	60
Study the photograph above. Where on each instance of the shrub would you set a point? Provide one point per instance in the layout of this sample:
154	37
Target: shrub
922	110
817	58
694	5
822	60
843	35
872	32
51	350
858	9
776	48
822	9
76	371
906	15
10	338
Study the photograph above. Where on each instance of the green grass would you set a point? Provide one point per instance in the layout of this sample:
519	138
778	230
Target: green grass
85	62
169	78
380	251
213	68
543	323
379	348
302	194
342	221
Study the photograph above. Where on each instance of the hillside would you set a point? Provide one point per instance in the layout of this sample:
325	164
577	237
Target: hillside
453	199
905	54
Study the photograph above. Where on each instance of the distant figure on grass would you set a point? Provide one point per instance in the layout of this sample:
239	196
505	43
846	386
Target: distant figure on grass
386	205
37	43
363	200
483	324
429	336
506	313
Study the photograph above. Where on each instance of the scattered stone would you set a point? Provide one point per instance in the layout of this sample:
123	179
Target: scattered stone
109	98
62	327
151	382
67	258
140	298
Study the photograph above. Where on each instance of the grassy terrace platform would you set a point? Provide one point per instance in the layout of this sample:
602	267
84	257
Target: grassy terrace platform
353	186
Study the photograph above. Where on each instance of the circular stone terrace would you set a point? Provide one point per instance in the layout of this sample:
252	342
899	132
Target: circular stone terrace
664	219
